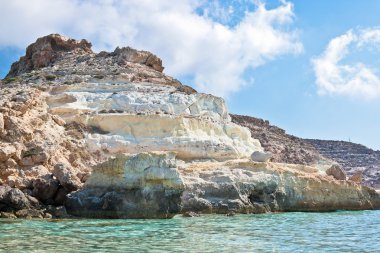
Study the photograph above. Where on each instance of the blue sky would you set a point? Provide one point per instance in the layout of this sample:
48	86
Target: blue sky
260	61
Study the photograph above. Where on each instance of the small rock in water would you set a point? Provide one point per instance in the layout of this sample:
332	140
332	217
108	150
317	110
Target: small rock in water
190	214
48	216
29	213
230	214
261	156
57	211
6	215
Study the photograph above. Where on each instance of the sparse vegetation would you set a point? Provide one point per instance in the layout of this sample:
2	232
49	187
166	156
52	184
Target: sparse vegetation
50	77
10	80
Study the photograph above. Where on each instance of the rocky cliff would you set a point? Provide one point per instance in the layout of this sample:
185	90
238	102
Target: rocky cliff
110	135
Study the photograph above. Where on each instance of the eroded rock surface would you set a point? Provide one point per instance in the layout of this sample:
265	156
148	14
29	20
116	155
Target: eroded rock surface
146	185
109	135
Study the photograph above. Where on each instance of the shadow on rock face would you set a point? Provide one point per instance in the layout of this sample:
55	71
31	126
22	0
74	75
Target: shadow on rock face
138	203
146	185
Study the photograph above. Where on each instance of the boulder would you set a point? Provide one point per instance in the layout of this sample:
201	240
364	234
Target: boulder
29	213
6	151
60	196
48	216
336	172
58	120
12	199
34	156
66	177
57	211
127	54
190	214
7	215
44	188
260	156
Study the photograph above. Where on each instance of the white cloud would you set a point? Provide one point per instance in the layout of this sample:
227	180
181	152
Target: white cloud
213	54
351	79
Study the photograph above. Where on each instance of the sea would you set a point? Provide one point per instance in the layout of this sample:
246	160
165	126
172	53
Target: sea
341	231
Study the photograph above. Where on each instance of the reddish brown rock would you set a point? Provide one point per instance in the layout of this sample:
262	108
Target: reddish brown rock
45	51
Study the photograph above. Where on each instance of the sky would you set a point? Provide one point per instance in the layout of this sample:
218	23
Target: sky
310	67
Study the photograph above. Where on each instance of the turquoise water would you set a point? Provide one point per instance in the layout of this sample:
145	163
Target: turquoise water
283	232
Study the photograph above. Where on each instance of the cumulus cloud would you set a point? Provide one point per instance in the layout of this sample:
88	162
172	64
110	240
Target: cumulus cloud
354	79
198	45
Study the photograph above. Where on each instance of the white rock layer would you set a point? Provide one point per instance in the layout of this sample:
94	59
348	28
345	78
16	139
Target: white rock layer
140	117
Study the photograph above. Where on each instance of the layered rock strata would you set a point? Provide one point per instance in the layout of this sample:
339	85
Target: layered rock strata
156	185
146	185
110	136
243	186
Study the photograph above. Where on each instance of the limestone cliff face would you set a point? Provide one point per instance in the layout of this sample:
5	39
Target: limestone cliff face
157	185
110	135
140	117
146	185
248	187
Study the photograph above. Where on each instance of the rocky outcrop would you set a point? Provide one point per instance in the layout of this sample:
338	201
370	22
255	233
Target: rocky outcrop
45	51
12	199
127	54
285	148
336	172
32	143
55	60
154	185
355	159
109	135
141	117
243	186
147	185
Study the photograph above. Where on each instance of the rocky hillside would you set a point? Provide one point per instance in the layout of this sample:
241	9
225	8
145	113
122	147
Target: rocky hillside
284	147
352	157
109	135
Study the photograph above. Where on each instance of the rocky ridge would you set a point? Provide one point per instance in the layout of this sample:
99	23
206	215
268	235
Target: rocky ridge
285	148
353	158
108	135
